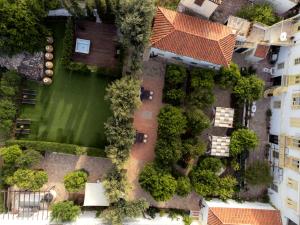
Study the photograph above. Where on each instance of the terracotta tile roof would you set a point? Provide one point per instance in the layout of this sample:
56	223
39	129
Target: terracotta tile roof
193	37
261	51
242	216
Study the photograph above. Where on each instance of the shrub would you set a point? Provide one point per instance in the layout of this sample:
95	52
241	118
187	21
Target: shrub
175	75
259	173
28	179
187	220
64	211
75	181
193	147
201	98
197	121
171	122
168	151
29	158
183	186
79	67
52	4
160	184
202	78
174	96
68	43
210	163
262	13
228	76
10	154
241	140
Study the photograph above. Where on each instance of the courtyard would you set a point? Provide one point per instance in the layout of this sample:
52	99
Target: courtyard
72	110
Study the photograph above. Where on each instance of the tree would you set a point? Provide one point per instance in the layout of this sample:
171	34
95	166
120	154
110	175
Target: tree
64	212
262	13
10	154
75	181
183	186
29	158
168	151
192	147
28	179
22	26
210	163
241	140
228	76
171	121
122	210
197	121
202	78
7	109
160	184
249	88
175	75
259	173
124	96
201	98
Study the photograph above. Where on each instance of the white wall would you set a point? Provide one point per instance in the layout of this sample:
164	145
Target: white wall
281	6
184	59
206	9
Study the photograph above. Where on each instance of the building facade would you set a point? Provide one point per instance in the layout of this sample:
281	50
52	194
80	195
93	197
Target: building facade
285	132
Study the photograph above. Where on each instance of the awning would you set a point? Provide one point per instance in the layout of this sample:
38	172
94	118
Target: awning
224	117
95	195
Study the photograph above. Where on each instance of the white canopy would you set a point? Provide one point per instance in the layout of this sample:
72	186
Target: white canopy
224	117
59	12
95	195
82	46
220	146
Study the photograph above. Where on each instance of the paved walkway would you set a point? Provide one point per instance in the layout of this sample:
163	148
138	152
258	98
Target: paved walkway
57	165
145	121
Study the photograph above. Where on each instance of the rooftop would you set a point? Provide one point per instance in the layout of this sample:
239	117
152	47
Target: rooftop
193	37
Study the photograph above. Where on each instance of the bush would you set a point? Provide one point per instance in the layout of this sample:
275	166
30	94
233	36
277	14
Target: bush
75	181
202	78
171	122
175	75
79	67
160	184
10	154
193	147
174	96
28	179
68	43
249	88
168	151
29	158
201	98
183	186
259	173
187	220
197	121
52	4
228	76
241	140
43	146
262	13
64	212
210	163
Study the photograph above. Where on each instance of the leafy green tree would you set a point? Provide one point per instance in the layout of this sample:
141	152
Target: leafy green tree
171	121
249	88
228	76
29	158
210	163
174	96
262	13
197	121
192	147
201	98
259	173
75	181
202	78
122	210
11	78
22	27
64	212
168	151
7	109
183	186
28	179
175	75
226	188
160	184
124	96
10	154
241	140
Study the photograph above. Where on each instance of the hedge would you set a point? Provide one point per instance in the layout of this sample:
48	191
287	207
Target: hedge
43	146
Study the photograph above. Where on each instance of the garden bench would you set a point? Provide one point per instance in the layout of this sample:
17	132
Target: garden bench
141	137
146	94
22	131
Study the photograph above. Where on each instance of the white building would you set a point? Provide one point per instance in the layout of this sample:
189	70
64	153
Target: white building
281	6
190	40
285	132
204	8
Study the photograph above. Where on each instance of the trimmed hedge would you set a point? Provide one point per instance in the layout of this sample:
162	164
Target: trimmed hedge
43	146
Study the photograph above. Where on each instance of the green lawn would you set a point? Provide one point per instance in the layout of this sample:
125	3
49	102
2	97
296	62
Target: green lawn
72	109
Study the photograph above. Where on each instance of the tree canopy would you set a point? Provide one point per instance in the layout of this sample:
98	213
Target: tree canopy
241	140
262	13
10	154
75	181
64	211
228	76
197	120
29	158
22	26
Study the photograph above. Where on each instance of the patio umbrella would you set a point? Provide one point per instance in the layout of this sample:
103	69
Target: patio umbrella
49	65
47	80
49	48
49	56
49	73
50	40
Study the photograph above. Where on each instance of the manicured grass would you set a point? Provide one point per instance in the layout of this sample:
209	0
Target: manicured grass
72	109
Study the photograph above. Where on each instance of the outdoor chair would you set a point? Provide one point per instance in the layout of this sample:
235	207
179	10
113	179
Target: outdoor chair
141	138
28	101
146	94
23	121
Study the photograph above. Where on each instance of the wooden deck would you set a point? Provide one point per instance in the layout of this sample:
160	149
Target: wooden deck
103	39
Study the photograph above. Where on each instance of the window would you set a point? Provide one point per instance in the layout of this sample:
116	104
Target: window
177	58
291	204
275	154
273	139
296	100
293	142
295	164
280	65
295	122
276	104
274	187
160	54
296	143
297	61
193	63
291	183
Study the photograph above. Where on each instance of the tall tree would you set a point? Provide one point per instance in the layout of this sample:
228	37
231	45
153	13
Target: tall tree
241	140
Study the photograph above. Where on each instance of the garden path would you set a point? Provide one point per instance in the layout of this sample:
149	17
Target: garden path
145	120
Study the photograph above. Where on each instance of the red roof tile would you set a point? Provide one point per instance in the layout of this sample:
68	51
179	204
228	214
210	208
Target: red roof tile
261	51
190	36
242	216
